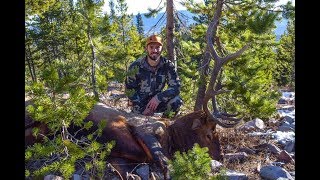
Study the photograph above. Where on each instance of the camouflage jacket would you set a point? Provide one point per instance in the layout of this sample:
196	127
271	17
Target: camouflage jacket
142	82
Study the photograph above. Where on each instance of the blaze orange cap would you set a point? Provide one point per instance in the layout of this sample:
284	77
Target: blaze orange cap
154	38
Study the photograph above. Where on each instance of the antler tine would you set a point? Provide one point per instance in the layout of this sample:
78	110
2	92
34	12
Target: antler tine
209	94
226	125
232	119
229	115
217	116
214	88
220	117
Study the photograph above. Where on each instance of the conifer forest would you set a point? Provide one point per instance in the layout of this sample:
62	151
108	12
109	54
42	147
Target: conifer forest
74	51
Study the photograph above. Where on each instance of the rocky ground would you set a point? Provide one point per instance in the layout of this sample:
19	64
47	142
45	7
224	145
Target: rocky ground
253	150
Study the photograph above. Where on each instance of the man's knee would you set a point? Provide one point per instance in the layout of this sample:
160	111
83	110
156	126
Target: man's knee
174	104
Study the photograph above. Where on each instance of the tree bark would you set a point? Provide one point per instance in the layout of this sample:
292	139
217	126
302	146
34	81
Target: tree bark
93	62
203	85
31	65
169	32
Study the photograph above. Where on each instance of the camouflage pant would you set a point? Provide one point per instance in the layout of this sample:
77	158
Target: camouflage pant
172	106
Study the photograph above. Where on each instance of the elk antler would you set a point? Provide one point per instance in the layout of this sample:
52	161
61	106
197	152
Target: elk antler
221	118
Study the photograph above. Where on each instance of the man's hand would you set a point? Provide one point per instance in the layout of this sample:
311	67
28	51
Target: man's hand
148	112
151	106
130	103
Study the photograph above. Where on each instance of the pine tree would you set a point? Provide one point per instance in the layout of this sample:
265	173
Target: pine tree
58	63
140	25
250	76
286	57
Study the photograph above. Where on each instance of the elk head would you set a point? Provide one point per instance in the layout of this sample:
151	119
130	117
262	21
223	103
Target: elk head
194	128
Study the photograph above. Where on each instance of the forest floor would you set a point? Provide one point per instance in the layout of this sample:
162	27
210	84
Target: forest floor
231	139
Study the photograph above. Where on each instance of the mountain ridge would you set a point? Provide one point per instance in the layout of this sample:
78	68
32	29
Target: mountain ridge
154	24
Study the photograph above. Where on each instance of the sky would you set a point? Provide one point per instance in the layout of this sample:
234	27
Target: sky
136	6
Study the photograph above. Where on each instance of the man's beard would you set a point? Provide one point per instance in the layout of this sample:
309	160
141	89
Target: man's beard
154	58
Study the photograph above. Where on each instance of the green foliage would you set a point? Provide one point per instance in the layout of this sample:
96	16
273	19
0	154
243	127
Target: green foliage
39	151
251	80
26	173
64	154
285	70
288	10
59	103
38	6
169	113
195	164
102	81
97	154
153	12
250	77
139	24
262	22
188	74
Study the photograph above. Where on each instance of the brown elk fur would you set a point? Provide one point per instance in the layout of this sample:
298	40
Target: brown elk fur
126	145
190	129
135	144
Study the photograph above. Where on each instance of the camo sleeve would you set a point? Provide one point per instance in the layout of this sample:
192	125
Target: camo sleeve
132	83
173	82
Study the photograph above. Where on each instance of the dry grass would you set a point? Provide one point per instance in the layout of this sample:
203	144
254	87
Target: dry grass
233	140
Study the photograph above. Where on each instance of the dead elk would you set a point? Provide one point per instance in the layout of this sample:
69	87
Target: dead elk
135	144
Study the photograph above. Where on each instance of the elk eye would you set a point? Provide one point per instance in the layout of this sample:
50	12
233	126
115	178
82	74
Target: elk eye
209	137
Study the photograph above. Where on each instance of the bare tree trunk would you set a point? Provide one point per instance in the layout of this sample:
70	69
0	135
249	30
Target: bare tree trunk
73	21
169	32
203	85
55	56
93	62
31	65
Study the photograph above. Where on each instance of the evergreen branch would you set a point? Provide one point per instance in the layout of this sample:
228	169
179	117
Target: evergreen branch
183	24
152	12
155	24
230	57
234	11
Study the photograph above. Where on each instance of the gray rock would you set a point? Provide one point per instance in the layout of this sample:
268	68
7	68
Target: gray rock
286	127
288	119
247	150
215	165
52	177
284	156
256	124
76	177
282	101
269	147
284	137
235	156
290	147
143	172
234	175
274	172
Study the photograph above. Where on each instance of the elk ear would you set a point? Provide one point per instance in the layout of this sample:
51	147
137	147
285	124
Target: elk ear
196	124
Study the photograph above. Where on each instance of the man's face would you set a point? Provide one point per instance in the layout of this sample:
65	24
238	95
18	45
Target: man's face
154	50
